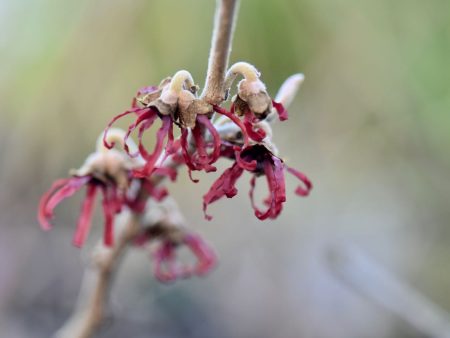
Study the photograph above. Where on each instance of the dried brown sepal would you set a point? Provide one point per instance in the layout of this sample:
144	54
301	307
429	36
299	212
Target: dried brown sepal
147	99
259	103
196	107
163	107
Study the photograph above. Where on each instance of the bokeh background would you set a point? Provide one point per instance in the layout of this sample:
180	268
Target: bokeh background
364	256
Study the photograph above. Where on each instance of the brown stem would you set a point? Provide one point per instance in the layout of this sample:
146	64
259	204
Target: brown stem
96	284
220	51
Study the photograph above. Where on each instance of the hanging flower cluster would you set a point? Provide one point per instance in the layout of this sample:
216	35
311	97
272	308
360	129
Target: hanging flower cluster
165	225
268	165
108	171
128	175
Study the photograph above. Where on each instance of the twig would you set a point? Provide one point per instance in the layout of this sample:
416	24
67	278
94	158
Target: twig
224	23
97	281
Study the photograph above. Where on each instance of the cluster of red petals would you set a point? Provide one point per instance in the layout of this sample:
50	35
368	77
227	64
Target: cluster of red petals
64	188
257	134
256	159
158	193
145	118
112	203
195	160
268	165
166	266
282	112
199	159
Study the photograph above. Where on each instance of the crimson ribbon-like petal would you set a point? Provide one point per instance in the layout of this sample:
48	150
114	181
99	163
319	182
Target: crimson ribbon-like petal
223	186
151	159
59	191
282	112
84	220
168	269
301	191
273	170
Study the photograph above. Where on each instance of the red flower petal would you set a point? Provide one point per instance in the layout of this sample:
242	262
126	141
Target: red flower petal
200	157
277	190
105	133
109	204
43	214
215	135
223	186
84	220
301	191
235	119
59	191
153	158
146	119
249	120
257	135
250	166
165	269
185	153
245	165
282	112
206	257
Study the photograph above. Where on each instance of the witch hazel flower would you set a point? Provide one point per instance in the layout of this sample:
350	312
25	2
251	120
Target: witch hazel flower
252	100
147	109
252	93
203	136
107	171
166	227
268	165
174	101
199	141
262	154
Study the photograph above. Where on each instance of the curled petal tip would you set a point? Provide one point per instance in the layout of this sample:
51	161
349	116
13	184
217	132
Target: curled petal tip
206	216
282	112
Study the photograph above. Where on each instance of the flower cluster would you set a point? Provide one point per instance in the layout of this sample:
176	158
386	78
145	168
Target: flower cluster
268	165
129	175
108	171
164	224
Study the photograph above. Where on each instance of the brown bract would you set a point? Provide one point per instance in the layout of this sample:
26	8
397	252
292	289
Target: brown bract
188	115
183	106
148	98
254	98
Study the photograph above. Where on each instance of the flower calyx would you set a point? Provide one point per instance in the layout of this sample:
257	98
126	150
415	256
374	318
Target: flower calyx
252	94
109	166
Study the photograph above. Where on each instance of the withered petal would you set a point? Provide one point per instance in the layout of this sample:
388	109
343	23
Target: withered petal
84	220
282	112
59	191
223	186
301	191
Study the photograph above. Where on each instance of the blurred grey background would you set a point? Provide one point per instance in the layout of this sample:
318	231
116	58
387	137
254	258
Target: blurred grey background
370	127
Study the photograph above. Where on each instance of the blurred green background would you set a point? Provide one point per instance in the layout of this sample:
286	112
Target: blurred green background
370	127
